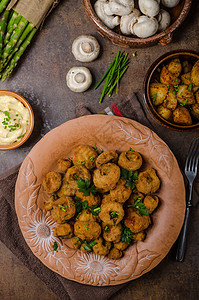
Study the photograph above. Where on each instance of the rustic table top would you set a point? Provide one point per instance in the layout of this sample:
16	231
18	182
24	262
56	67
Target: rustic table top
40	78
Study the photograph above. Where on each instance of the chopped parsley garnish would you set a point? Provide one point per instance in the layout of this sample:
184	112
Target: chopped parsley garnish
95	210
183	104
130	149
91	158
95	147
114	214
137	203
101	151
134	54
106	228
190	87
89	245
55	247
63	207
130	177
80	205
127	235
19	137
82	162
85	187
154	98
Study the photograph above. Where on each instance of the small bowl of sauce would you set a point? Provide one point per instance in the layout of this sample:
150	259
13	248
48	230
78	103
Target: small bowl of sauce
16	120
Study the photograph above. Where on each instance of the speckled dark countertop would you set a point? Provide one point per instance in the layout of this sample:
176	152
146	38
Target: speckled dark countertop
40	78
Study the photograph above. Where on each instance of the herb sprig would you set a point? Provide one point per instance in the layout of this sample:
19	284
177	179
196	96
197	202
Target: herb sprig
137	203
85	187
89	245
130	177
55	247
127	235
113	74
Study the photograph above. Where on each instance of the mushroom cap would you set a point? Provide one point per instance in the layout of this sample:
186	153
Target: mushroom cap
102	13
170	3
85	48
121	7
164	20
145	27
149	8
78	79
127	22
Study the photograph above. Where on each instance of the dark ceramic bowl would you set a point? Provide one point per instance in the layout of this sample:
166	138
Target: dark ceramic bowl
178	15
153	73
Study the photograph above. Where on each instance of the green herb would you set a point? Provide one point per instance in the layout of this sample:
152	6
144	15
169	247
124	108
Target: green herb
106	228
114	214
19	137
69	158
113	74
82	162
127	235
84	204
78	240
181	94
183	104
190	87
111	53
168	86
165	100
188	78
95	210
174	92
16	115
63	207
55	247
91	158
101	151
137	203
134	54
154	98
89	245
130	149
85	187
130	177
95	147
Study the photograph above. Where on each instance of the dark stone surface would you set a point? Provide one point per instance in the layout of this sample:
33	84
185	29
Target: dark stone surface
40	78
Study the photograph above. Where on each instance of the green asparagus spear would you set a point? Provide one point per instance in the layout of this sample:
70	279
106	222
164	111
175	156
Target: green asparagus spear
12	25
3	25
22	38
17	55
3	5
14	39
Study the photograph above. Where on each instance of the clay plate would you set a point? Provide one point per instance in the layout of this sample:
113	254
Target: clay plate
110	133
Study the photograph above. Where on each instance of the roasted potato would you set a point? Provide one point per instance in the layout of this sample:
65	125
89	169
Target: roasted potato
186	78
130	160
187	66
195	110
148	182
84	155
135	222
52	182
195	74
164	112
63	209
171	101
87	230
185	95
158	93
175	67
106	157
182	116
65	231
197	96
168	78
106	177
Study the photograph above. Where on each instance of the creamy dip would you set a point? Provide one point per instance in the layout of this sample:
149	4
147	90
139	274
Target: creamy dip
14	120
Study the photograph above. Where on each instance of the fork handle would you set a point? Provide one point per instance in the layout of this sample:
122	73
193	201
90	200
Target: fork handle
182	238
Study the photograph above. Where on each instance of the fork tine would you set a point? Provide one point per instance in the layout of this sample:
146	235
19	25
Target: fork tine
195	159
190	155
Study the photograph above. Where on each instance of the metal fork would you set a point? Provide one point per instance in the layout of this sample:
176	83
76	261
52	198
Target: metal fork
191	168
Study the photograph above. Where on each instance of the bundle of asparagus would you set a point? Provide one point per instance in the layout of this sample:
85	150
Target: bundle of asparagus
3	4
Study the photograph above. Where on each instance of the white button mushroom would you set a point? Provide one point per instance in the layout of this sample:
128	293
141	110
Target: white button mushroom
109	21
85	48
121	7
78	79
127	22
164	20
170	3
145	27
149	7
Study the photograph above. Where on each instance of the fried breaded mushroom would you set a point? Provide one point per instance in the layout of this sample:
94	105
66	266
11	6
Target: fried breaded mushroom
65	231
48	204
52	182
63	165
91	199
106	198
106	177
76	242
66	189
140	236
102	247
182	116
130	160
164	112
84	155
148	181
195	110
76	172
63	209
106	157
175	67
167	77
151	202
111	213
115	254
121	192
112	233
185	96
158	92
135	222
87	216
121	245
195	74
87	230
171	101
